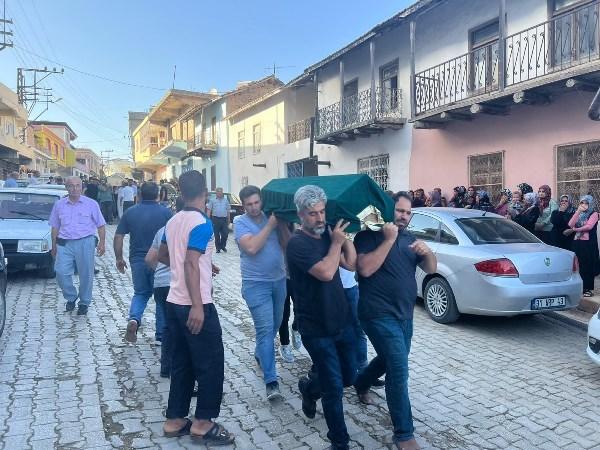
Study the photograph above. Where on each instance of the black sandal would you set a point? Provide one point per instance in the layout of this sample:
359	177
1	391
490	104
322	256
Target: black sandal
185	430
217	435
588	294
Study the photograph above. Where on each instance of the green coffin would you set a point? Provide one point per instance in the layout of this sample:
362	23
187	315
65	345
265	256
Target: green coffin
347	197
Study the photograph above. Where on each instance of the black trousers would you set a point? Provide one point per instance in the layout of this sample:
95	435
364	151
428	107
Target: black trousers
127	205
221	229
284	330
166	352
107	211
196	358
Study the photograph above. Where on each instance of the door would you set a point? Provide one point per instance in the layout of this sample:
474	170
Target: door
350	103
388	97
427	229
484	57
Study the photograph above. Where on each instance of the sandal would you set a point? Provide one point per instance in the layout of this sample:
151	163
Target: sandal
588	294
217	435
181	432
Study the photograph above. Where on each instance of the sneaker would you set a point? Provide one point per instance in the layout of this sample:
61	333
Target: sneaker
131	333
286	353
296	339
273	392
309	406
70	306
82	310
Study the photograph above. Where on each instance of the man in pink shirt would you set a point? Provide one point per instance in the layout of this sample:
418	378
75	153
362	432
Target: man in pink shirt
75	219
192	319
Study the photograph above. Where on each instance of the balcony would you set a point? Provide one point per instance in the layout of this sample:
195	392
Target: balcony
537	61
360	115
299	130
200	146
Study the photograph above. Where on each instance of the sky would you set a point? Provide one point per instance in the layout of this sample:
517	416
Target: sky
213	44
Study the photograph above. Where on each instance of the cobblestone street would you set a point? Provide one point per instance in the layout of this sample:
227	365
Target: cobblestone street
71	382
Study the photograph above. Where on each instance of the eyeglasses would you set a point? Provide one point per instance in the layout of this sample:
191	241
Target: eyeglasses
564	201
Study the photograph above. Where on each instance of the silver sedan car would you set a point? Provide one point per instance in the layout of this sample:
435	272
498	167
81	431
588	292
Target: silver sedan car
489	265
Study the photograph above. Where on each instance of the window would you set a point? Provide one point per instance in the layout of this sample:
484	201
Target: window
424	227
487	172
153	140
578	169
377	168
388	97
49	145
213	177
256	139
244	181
484	56
446	236
493	230
574	32
241	145
62	153
213	130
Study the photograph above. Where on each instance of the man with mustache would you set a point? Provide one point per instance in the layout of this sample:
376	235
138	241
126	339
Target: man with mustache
386	265
315	253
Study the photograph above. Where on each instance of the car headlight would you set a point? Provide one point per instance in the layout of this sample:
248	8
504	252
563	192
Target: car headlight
32	246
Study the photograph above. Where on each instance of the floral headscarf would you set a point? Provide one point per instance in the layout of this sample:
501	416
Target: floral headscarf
508	194
545	202
585	215
525	188
530	199
484	203
570	209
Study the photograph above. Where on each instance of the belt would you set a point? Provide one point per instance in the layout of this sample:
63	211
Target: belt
63	241
218	217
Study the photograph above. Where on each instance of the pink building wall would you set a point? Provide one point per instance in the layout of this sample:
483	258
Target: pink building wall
528	136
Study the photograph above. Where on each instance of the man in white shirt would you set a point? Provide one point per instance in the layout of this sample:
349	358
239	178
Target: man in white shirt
126	197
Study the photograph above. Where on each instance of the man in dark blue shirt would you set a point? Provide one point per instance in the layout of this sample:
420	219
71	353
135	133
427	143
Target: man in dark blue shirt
141	222
386	264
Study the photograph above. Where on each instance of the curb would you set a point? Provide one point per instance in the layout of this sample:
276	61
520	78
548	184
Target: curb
568	320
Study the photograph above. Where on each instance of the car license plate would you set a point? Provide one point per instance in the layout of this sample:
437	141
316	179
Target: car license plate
548	303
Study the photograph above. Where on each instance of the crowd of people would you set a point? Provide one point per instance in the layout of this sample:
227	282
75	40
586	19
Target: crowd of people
566	223
343	292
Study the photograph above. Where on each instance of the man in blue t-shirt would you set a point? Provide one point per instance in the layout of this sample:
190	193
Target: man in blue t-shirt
386	264
263	280
141	222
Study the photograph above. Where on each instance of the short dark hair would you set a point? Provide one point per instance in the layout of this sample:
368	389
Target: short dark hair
248	191
149	190
401	194
192	185
179	203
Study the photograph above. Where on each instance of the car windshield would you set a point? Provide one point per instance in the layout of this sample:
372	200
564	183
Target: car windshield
233	200
20	205
495	230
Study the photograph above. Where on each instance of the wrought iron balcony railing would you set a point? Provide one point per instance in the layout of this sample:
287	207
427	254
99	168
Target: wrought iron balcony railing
357	110
565	41
299	130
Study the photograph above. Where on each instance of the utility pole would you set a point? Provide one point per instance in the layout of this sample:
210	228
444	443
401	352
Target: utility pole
5	35
29	94
104	160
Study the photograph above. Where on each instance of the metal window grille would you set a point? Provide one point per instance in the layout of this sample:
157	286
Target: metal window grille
295	169
578	169
376	167
486	172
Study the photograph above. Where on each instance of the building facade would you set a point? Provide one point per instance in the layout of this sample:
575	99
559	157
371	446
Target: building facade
15	153
501	94
88	161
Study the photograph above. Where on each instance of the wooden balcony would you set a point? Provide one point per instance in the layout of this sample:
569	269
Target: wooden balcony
360	115
526	67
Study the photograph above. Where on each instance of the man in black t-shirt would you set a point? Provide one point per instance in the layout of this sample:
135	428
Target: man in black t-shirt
314	256
386	264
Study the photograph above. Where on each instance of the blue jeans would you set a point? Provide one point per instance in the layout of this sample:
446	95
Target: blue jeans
266	300
361	338
391	338
143	287
334	358
76	255
162	334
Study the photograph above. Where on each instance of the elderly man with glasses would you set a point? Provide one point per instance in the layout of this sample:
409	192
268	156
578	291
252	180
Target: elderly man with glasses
75	219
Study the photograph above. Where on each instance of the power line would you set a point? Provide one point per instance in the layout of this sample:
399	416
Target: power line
93	75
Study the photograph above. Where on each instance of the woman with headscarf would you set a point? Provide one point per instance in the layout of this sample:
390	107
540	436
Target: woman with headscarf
458	198
543	226
585	242
435	199
530	212
560	222
516	204
419	198
470	199
505	198
482	202
524	188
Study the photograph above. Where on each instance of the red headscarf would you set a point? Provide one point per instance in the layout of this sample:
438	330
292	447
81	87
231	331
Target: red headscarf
545	202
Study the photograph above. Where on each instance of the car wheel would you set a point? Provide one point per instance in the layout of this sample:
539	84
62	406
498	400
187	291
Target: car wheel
439	301
48	272
2	311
